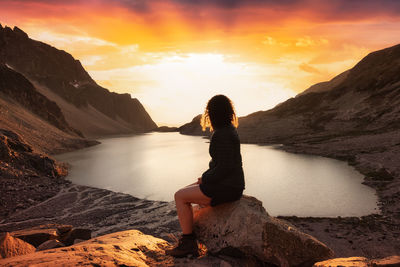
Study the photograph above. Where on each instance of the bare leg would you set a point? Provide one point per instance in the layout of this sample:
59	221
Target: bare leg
183	199
198	182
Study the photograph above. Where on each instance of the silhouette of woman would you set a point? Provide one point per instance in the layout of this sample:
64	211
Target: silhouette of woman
222	182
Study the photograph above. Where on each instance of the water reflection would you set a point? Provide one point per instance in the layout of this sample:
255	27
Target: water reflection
155	165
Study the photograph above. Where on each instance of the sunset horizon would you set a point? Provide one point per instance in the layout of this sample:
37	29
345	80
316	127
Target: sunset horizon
175	55
200	133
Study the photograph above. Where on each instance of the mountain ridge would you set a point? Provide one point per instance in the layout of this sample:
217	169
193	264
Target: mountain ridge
364	99
367	100
18	88
63	75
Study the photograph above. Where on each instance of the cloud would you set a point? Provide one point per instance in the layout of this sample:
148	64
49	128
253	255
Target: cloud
90	60
334	10
138	6
230	4
60	39
308	41
308	68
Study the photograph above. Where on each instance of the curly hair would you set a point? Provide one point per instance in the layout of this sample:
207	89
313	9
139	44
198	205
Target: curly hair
219	112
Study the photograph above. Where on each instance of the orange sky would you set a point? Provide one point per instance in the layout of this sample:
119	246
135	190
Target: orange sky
173	55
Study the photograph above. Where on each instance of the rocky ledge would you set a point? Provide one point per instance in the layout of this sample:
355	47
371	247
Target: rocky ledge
240	233
244	228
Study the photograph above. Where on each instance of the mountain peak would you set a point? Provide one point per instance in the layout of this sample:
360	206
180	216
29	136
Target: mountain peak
20	32
63	79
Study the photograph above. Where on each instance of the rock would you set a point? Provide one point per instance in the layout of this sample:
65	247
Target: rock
49	244
78	233
63	229
36	237
127	248
11	246
391	261
244	227
76	241
352	261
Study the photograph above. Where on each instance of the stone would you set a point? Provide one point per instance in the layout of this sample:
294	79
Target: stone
77	233
392	261
36	237
127	248
351	261
63	229
244	228
76	241
49	244
11	246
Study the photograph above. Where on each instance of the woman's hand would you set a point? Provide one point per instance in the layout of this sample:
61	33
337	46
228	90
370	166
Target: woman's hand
199	180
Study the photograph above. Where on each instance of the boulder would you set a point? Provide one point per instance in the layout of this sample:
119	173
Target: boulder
76	241
127	248
66	234
351	261
11	246
76	233
36	237
392	261
63	229
49	244
244	228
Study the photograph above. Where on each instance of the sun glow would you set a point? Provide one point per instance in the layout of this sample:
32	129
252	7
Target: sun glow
174	55
177	87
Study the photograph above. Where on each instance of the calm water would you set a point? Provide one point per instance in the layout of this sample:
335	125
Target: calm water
155	165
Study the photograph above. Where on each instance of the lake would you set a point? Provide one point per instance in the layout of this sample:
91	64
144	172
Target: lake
155	165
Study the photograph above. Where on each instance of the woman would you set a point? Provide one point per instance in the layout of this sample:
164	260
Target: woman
222	182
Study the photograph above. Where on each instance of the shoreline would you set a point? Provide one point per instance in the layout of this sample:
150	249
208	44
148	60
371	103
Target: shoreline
372	236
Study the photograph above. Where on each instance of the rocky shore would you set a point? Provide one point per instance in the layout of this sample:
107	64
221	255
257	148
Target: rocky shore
376	157
50	199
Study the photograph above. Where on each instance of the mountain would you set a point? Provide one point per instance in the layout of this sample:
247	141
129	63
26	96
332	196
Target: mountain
326	86
357	120
28	113
193	128
366	100
87	107
19	89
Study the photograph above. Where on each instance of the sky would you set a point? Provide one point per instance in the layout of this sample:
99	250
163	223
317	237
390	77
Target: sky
174	55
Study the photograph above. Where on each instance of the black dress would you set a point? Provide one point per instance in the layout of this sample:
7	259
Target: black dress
224	180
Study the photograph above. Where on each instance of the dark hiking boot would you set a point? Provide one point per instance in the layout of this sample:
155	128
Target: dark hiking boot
186	246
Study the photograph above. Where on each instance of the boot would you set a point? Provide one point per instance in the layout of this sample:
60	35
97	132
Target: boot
187	245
